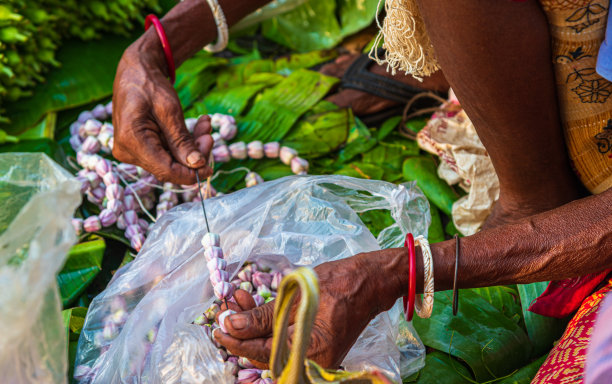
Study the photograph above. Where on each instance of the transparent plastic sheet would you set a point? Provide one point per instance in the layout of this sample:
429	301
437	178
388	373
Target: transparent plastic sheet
37	200
294	221
274	8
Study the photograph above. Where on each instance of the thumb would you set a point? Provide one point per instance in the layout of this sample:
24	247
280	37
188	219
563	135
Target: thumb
251	324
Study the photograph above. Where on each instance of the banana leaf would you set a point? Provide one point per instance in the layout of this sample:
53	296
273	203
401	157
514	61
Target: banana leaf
74	319
317	135
435	233
361	170
424	171
196	76
440	368
542	330
505	298
359	140
491	344
391	155
525	374
356	14
83	264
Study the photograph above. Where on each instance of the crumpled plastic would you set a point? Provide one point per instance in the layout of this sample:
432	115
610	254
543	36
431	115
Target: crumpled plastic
38	199
451	135
294	221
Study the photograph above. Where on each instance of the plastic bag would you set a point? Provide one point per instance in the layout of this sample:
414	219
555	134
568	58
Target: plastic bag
38	199
294	221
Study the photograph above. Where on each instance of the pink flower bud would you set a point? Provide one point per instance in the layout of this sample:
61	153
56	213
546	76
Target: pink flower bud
77	224
264	292
221	154
170	197
246	286
216	264
245	363
107	128
162	208
277	277
128	170
252	179
110	178
121	224
108	217
190	123
261	278
114	192
137	241
131	217
84	116
219	276
133	230
109	108
245	274
104	138
233	365
92	224
228	131
148	202
238	150
111	143
211	240
103	167
90	145
144	225
266	374
223	290
287	154
168	186
115	206
129	202
92	161
92	127
255	149
217	140
84	183
259	301
82	158
212	252
93	178
211	312
222	318
75	143
95	195
299	165
200	320
99	112
271	149
74	128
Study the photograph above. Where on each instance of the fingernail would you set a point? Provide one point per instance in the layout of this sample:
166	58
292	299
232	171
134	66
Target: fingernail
238	322
194	158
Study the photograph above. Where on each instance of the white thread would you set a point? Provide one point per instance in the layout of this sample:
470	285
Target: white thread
128	185
424	307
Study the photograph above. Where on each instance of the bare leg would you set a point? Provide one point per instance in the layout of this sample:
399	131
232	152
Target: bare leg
496	56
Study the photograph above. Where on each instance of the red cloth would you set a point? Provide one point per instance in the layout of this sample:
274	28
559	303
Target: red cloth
563	297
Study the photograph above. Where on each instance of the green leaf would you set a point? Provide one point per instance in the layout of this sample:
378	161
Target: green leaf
362	171
317	135
490	343
391	156
424	171
359	141
356	14
196	76
442	369
526	374
234	100
50	147
287	65
87	74
504	298
74	319
542	330
435	233
83	264
387	127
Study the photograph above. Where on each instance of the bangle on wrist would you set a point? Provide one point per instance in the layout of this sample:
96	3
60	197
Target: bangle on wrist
222	29
410	299
424	307
161	33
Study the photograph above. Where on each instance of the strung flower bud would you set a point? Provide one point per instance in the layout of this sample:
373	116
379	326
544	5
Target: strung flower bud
287	154
77	224
221	154
167	186
190	123
245	274
137	241
92	161
264	292
255	149
92	224
236	283
114	192
85	185
119	316
299	166
233	365
75	143
162	208
111	143
90	145
259	301
121	224
84	116
219	276
169	196
107	128
277	277
116	206
228	131
245	363
107	217
190	192
92	127
211	240
109	108
110	178
217	139
104	138
211	312
99	112
148	202
82	158
222	317
223	290
266	374
238	150
103	167
215	120
271	150
144	225
223	354
213	252
128	169
93	179
74	128
131	217
261	278
216	264
200	320
143	172
133	230
248	376
246	286
96	195
252	179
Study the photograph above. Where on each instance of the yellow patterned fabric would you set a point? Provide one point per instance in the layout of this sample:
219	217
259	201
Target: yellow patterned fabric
565	363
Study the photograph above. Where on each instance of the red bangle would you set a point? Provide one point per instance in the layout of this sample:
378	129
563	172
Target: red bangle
152	19
409	300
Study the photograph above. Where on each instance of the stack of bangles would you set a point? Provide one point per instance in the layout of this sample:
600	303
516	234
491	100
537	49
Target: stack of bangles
424	306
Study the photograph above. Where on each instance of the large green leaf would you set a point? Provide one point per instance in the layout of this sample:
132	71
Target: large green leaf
196	76
87	74
435	234
440	368
491	344
356	14
542	330
83	264
525	374
359	141
361	170
74	319
317	135
505	298
50	147
424	171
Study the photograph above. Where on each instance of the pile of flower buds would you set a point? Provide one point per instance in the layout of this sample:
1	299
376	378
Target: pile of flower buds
124	191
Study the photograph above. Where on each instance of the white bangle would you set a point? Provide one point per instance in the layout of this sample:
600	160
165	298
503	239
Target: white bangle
222	29
424	307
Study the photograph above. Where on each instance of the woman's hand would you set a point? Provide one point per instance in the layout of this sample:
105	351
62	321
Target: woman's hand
353	292
149	125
